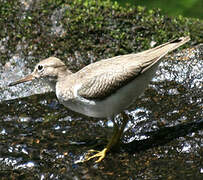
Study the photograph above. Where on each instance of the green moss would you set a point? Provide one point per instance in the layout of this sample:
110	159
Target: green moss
100	28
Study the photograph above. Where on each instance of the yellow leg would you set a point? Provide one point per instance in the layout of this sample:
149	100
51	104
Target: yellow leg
113	142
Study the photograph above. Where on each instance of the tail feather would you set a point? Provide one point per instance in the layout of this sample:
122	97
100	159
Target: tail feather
168	47
160	51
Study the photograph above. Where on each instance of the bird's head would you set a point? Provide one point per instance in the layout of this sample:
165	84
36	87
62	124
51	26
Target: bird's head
49	70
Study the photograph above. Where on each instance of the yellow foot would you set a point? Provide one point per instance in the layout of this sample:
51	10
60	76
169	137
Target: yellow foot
100	154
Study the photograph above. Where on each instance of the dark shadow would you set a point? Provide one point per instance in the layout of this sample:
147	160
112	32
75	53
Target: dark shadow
163	136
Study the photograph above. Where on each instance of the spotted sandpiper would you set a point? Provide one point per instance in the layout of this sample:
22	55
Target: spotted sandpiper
104	88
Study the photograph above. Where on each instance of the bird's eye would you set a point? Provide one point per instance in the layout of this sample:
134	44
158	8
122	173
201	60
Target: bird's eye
40	67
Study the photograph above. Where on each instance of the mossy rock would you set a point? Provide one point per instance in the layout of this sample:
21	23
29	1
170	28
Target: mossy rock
86	30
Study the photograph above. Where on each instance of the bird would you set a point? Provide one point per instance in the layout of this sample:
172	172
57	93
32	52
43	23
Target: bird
105	88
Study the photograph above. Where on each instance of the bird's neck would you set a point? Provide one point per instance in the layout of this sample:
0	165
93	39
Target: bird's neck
63	73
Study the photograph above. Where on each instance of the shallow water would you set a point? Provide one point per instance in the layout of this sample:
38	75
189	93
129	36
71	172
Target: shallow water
39	138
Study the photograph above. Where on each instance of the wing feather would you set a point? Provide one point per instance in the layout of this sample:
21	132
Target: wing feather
106	81
104	77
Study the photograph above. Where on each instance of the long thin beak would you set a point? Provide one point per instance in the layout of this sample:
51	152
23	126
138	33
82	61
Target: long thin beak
29	77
